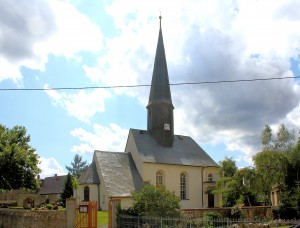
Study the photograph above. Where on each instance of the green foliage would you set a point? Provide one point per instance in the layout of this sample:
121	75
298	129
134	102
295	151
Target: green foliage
284	140
77	167
227	167
155	201
226	184
236	212
271	169
49	206
276	164
68	189
18	160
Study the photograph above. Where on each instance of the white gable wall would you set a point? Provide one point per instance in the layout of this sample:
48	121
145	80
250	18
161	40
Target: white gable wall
131	147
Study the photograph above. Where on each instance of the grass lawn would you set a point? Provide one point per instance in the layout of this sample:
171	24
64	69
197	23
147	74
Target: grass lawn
102	218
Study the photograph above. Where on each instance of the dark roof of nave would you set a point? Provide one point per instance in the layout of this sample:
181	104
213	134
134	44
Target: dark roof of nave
185	151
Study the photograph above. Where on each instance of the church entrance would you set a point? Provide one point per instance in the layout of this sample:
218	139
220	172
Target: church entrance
211	200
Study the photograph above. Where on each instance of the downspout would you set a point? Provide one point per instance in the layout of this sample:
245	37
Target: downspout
99	197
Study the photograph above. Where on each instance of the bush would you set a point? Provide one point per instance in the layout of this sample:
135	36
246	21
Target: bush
55	207
155	201
236	212
285	212
211	219
27	206
49	206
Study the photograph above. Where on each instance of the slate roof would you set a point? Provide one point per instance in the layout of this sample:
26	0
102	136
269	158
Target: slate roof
90	175
185	151
119	173
160	88
52	185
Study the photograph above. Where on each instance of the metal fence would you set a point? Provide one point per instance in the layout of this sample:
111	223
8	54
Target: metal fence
125	221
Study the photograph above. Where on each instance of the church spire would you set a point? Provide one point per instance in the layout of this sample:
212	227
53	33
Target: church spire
160	107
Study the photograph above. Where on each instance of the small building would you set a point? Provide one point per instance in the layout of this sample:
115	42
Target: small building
156	156
51	188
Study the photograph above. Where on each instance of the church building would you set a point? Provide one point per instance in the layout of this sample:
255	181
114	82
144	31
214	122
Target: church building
154	156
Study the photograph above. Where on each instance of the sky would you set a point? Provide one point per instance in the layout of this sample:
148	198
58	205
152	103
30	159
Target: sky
92	43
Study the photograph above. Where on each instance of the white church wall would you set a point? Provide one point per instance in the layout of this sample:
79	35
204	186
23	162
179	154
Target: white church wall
79	192
172	181
104	197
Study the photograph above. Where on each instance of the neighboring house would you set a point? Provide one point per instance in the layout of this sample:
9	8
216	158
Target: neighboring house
51	188
154	156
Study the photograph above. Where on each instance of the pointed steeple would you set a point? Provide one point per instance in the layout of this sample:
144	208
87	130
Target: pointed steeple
160	107
160	89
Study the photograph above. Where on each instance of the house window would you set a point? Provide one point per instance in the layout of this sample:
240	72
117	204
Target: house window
159	178
183	185
86	193
210	177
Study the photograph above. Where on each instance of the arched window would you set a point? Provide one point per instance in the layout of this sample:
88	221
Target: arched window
159	178
210	177
86	193
183	186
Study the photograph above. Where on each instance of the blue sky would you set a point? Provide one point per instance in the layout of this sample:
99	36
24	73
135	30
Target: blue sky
49	44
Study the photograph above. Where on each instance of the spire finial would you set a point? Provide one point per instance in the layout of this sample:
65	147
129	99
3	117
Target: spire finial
160	17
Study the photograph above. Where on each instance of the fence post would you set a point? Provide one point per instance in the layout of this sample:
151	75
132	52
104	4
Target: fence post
71	212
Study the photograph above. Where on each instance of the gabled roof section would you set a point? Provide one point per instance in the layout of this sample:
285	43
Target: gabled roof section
160	88
119	173
184	151
90	175
52	185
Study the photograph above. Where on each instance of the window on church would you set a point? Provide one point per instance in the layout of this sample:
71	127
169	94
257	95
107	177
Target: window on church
210	177
86	193
159	178
183	185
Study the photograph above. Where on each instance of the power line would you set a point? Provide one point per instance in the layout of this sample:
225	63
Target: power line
146	85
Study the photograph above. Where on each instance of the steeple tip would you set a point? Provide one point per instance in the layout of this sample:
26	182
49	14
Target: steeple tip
160	17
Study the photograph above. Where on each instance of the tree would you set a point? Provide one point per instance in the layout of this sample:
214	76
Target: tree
245	183
273	162
68	189
283	142
155	201
227	167
18	160
77	167
225	184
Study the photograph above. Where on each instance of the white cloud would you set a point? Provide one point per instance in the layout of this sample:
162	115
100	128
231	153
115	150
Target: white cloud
50	167
32	30
82	105
212	41
111	138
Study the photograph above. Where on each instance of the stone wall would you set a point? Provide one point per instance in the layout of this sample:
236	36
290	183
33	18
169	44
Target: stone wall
17	198
39	218
32	218
260	212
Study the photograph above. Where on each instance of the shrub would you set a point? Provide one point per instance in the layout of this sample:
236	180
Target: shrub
27	206
211	219
49	206
236	212
55	207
